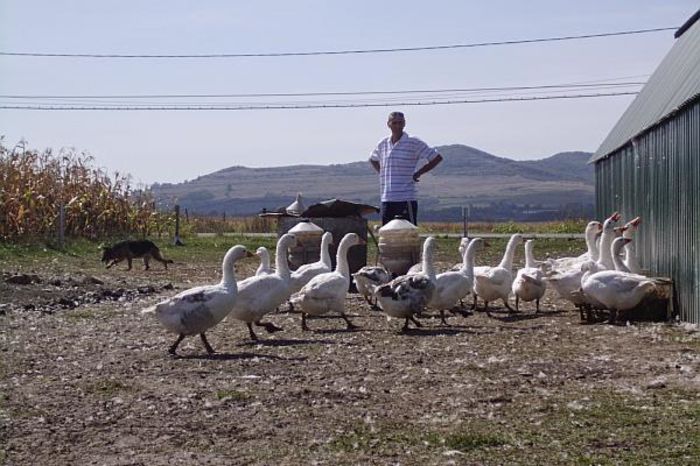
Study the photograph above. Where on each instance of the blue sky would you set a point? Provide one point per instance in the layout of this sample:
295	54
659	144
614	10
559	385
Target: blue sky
172	146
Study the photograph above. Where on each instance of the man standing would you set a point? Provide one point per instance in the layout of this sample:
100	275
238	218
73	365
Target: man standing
395	158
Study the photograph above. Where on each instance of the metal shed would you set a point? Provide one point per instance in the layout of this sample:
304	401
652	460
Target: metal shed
649	165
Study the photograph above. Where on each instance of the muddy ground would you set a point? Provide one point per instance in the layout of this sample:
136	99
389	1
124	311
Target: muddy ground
86	379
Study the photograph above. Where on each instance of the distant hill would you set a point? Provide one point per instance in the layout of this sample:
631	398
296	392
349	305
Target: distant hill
496	188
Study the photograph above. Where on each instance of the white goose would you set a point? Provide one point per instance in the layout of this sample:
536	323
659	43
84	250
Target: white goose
567	282
368	278
617	291
452	286
463	243
593	229
492	283
261	294
306	272
630	260
326	292
264	267
529	284
196	310
605	258
409	294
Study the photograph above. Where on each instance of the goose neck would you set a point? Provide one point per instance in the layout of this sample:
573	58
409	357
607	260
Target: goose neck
507	261
469	256
427	262
325	253
228	272
529	257
341	259
281	263
616	259
605	256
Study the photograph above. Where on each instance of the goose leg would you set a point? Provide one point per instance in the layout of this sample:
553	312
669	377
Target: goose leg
443	321
517	303
303	322
207	346
537	303
350	325
613	316
505	301
486	308
413	319
405	329
476	301
269	326
253	336
172	349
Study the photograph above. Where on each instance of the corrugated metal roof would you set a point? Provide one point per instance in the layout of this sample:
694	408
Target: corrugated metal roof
675	82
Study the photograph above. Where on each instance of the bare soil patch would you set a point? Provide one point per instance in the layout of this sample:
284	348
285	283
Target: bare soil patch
86	379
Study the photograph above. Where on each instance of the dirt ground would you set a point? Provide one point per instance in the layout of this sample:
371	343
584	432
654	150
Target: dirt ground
86	379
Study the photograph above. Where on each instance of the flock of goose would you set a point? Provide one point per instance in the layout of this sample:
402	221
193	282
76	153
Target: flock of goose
599	278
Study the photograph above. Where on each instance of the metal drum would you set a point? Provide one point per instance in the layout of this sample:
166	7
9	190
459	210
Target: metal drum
399	246
308	247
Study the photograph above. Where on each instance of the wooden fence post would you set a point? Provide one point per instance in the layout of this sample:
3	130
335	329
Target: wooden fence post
177	241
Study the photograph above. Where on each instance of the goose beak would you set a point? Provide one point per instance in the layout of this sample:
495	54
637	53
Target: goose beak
636	221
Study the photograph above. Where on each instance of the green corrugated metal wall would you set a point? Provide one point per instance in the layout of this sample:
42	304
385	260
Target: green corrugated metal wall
658	177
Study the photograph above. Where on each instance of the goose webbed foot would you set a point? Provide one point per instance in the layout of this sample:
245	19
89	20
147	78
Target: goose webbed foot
443	320
174	346
207	346
460	311
269	326
349	325
413	319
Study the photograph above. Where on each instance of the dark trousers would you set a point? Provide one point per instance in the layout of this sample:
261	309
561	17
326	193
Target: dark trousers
408	210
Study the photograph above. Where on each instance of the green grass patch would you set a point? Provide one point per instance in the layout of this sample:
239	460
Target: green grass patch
107	387
80	314
614	428
390	439
235	395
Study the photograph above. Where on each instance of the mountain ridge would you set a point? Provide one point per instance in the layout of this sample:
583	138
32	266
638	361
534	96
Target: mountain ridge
556	185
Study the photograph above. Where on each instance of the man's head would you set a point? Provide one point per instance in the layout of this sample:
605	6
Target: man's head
396	123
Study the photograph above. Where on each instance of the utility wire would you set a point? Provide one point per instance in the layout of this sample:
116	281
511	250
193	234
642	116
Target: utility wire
339	52
314	106
320	94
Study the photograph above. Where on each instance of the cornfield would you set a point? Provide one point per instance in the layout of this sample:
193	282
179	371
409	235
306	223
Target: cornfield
34	186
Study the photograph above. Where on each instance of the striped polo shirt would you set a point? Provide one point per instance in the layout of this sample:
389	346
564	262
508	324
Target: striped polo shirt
397	164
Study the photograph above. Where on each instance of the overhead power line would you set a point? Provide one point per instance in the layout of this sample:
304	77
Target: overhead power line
338	52
304	106
327	94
